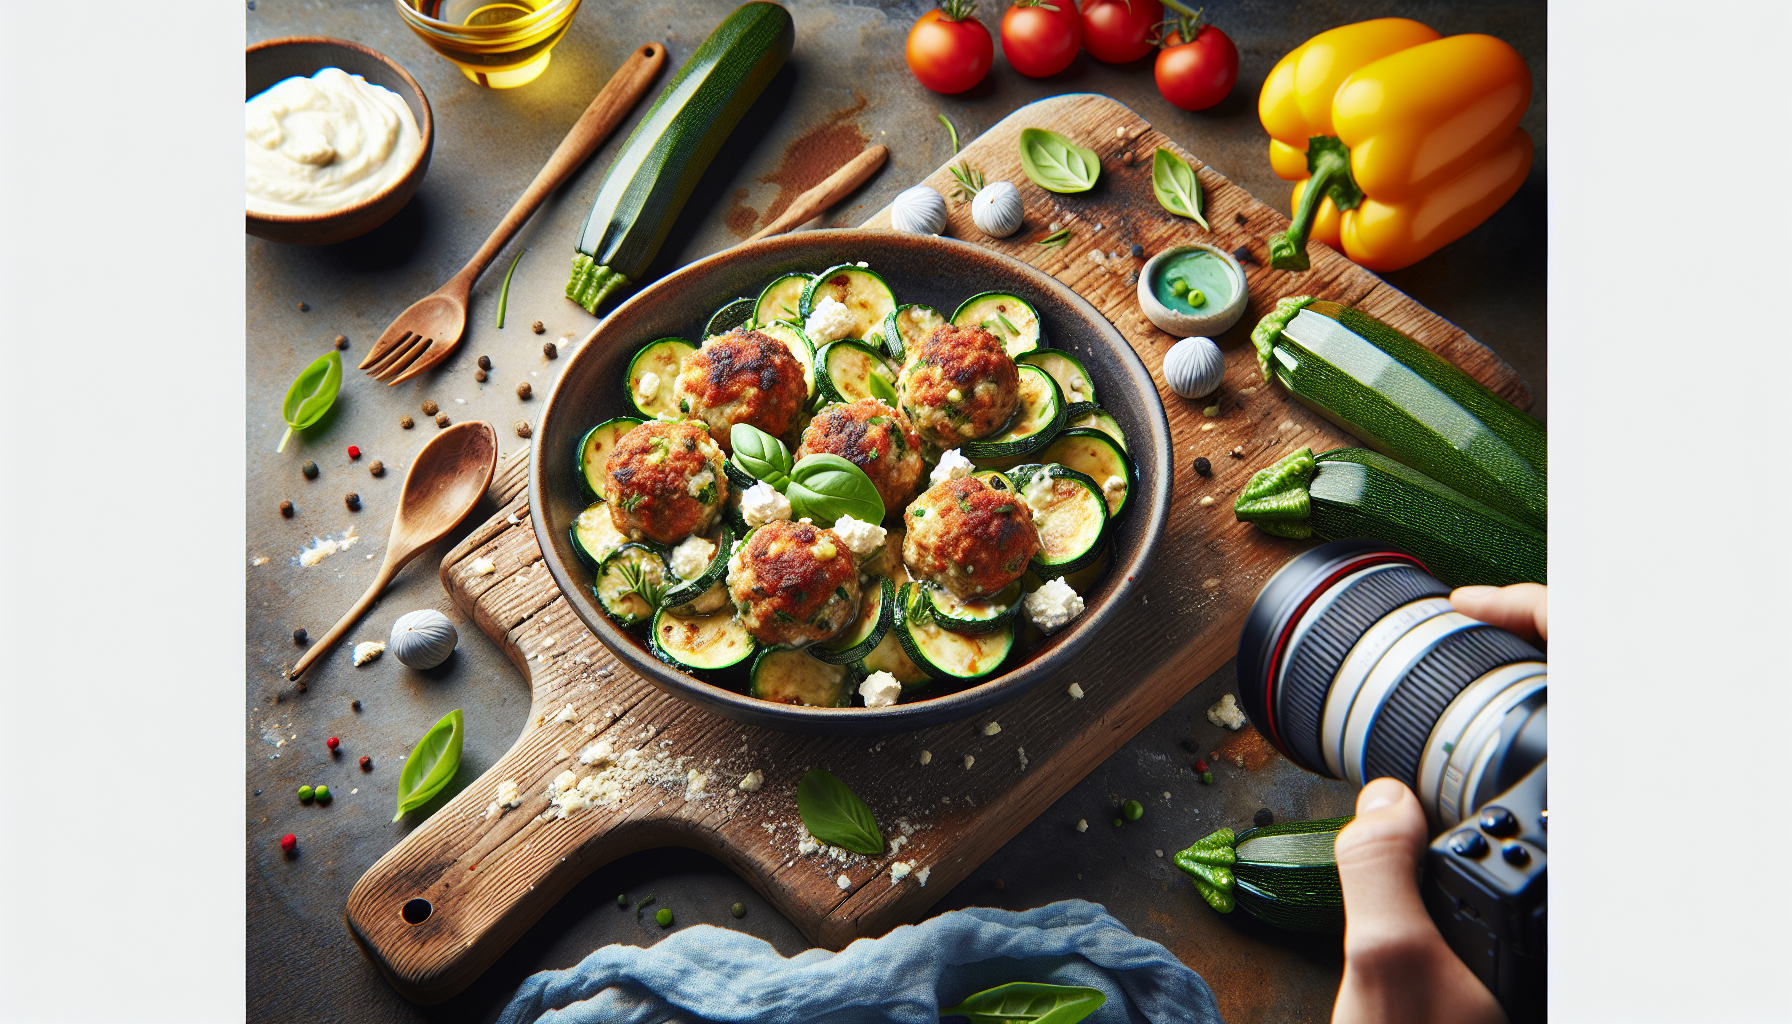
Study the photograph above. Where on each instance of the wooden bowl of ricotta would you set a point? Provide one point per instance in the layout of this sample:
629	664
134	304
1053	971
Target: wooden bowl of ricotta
272	61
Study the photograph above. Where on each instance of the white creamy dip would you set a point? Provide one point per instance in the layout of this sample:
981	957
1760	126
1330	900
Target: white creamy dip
322	143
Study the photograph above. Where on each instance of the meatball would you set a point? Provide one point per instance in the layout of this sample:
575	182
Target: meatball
794	584
968	537
664	482
875	438
742	377
959	384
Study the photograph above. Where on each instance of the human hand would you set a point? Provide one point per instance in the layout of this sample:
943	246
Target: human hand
1521	609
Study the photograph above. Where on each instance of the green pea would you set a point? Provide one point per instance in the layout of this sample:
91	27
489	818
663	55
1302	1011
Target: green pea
738	910
1133	810
622	901
1116	822
305	794
1195	298
664	917
322	793
1207	778
1178	286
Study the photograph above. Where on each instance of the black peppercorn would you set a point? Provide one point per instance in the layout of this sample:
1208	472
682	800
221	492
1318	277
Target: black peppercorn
286	509
304	308
300	686
524	390
377	468
442	419
538	328
353	500
485	362
1138	251
1202	466
429	407
1243	254
1239	218
406	422
523	429
299	635
309	469
341	341
1263	817
551	350
479	375
355	705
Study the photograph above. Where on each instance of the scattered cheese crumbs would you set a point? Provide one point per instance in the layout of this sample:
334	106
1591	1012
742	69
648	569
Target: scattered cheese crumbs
830	320
969	760
1206	500
508	795
599	751
1053	605
952	465
590	728
484	567
1082	824
921	875
1210	583
1022	751
562	754
367	651
992	728
259	560
1285	425
752	782
513	520
1076	692
926	756
843	882
861	538
1166	794
696	785
324	547
1226	712
899	871
880	690
1160	853
1206	426
567	714
806	847
352	792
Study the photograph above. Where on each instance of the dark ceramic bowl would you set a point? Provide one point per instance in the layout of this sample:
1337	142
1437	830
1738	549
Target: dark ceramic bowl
275	60
919	268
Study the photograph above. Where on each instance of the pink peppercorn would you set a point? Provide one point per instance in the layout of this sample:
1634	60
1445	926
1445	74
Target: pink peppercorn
1200	766
288	843
354	452
332	743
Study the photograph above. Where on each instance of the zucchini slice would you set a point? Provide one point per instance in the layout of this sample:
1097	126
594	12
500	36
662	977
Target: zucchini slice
737	477
1008	317
941	652
906	326
1072	378
630	583
997	480
781	300
1096	455
594	534
1038	419
858	289
877	609
683	594
973	617
651	374
793	338
1082	581
738	313
843	372
701	643
595	448
1070	513
887	560
784	676
1098	419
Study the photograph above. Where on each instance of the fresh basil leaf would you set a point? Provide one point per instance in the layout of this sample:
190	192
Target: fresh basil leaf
432	763
311	394
882	391
1030	1002
760	454
1177	188
824	487
1057	164
836	816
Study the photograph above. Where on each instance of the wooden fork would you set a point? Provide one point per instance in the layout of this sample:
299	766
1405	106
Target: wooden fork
424	334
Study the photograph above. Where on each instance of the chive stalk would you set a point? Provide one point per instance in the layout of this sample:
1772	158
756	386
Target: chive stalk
504	293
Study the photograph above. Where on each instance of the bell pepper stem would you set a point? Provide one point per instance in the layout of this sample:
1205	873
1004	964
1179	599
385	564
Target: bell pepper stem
1328	163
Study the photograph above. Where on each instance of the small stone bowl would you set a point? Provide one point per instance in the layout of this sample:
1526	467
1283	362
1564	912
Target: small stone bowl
1185	325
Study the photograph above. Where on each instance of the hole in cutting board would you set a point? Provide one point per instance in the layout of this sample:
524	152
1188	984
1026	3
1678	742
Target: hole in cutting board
416	911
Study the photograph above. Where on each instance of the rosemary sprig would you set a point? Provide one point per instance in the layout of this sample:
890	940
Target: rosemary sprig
951	129
635	576
970	181
1056	240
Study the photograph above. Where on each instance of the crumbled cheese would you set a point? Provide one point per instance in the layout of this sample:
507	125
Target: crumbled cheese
562	754
806	847
843	882
648	387
259	560
921	875
1075	396
366	652
752	782
926	756
484	567
704	479
324	547
567	714
692	556
1082	824
831	320
880	690
761	503
900	870
1226	712
508	795
952	465
1160	853
696	785
992	728
1022	751
860	537
1053	605
1076	692
1114	485
969	760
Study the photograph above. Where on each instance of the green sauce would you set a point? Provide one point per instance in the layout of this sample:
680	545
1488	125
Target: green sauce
1195	282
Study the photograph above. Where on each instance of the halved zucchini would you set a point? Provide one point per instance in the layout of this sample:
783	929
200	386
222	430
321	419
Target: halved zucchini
843	372
941	652
798	343
1096	455
682	594
877	606
594	534
701	643
738	313
662	359
630	583
784	676
595	449
1070	513
1008	317
906	326
858	289
1034	424
1098	419
781	300
1072	378
973	617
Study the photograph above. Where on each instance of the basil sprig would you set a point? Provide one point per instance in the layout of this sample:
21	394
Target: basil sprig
836	816
311	395
881	390
1029	1001
432	763
822	487
1057	164
1177	189
760	454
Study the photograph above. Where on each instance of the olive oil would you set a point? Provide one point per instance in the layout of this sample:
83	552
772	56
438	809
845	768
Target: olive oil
500	44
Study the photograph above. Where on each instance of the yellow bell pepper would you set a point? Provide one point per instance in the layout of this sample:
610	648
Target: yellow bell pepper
1401	140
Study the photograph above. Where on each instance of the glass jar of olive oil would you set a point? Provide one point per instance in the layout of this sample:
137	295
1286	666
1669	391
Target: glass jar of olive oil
501	44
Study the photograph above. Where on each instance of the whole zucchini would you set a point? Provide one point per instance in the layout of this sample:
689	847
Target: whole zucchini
1285	874
669	150
1404	401
1352	492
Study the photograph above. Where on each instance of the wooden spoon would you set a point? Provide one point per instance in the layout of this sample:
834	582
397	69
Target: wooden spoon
447	479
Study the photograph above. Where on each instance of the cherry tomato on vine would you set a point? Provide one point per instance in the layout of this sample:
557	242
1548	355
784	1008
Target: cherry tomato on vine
1041	37
948	50
1119	31
1195	75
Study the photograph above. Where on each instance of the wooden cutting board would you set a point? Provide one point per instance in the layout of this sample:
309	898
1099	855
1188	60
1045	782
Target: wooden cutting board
951	795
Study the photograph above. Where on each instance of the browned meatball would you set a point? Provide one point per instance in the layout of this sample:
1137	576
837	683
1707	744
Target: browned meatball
664	482
875	438
968	537
742	377
793	583
959	384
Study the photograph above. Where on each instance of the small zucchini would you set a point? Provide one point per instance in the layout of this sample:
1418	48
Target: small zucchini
1096	455
1069	511
794	339
703	644
1285	874
594	535
1072	378
631	583
664	359
781	300
1097	419
906	326
974	617
1008	317
858	289
784	676
877	609
1038	419
1354	492
941	652
695	595
595	448
843	372
738	313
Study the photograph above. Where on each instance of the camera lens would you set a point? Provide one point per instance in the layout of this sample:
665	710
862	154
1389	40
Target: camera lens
1354	664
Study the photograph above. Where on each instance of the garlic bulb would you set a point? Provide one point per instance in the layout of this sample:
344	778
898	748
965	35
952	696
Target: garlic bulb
919	211
997	209
423	639
1194	367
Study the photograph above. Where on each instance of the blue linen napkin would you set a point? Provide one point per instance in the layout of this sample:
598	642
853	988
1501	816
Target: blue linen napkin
704	973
